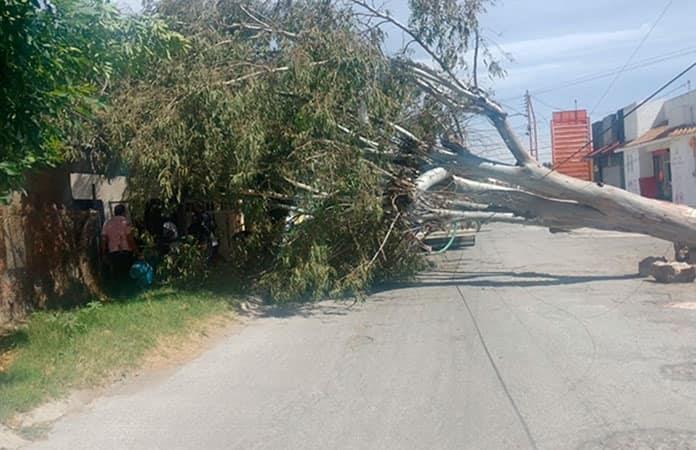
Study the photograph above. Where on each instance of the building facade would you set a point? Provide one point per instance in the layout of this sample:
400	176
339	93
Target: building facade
660	162
608	135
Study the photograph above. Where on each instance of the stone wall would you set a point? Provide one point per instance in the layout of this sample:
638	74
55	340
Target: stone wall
48	258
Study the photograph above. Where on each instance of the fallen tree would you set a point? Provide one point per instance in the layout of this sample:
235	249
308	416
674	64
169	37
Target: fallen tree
300	110
525	192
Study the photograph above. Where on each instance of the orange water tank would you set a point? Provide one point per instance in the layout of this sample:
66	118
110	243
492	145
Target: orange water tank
570	143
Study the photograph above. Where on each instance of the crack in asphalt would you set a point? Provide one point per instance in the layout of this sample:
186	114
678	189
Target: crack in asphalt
516	408
501	380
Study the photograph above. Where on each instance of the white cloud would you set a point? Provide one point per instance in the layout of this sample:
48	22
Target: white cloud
560	47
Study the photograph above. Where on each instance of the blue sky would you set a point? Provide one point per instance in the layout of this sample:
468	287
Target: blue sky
556	43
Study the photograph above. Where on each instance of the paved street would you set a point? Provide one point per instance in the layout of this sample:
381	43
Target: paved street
528	340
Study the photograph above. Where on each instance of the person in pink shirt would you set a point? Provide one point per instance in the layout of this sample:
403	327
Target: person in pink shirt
119	246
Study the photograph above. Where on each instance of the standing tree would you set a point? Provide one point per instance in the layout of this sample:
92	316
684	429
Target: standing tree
57	59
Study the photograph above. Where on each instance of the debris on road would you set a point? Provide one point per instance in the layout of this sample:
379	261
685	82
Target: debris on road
675	272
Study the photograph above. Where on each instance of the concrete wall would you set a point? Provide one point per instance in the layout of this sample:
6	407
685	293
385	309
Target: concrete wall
637	164
632	171
681	110
612	175
683	160
638	160
48	257
643	119
109	190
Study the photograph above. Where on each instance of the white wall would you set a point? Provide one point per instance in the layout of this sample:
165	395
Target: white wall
681	110
632	170
107	190
638	160
638	164
643	119
683	160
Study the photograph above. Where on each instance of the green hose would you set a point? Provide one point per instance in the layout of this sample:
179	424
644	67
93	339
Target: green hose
455	227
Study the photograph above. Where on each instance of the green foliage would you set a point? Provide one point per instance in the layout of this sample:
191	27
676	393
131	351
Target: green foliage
301	275
261	119
449	27
185	264
292	117
56	61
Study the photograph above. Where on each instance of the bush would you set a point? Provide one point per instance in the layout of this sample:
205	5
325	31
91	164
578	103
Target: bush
186	263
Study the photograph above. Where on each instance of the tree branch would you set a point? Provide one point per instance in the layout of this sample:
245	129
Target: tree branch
411	33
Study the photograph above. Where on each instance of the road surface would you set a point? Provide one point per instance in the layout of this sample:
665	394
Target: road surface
528	340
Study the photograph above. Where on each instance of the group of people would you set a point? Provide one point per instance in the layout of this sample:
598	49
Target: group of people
125	262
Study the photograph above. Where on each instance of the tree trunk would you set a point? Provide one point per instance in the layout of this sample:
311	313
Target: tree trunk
611	208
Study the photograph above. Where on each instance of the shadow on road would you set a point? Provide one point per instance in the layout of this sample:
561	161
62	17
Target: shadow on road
435	278
511	279
326	308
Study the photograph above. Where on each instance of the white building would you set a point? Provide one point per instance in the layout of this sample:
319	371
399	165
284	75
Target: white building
660	154
92	188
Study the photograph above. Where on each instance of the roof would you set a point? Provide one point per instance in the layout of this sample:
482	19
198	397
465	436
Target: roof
609	148
683	131
663	132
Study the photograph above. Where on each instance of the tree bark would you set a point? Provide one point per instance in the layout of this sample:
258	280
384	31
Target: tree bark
619	209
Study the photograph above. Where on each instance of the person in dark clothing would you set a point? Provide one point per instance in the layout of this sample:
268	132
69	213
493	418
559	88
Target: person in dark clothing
154	218
160	226
202	228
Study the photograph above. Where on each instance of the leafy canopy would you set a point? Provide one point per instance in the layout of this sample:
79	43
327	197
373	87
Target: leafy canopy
57	59
290	108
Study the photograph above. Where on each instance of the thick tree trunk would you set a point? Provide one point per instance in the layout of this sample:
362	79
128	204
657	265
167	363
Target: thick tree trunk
612	208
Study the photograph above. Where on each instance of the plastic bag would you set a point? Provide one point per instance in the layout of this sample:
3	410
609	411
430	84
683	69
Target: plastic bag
142	273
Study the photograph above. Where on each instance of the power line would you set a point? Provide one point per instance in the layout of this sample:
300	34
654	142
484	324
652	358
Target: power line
633	110
672	91
536	97
599	75
635	66
630	58
665	86
515	110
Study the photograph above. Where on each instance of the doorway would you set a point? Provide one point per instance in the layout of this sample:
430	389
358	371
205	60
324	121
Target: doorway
662	170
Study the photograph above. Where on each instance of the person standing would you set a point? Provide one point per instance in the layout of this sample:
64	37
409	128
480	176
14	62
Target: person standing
202	228
118	244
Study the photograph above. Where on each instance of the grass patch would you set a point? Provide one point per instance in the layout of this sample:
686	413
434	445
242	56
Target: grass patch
56	351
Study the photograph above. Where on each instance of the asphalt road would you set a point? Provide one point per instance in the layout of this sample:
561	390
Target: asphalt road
528	340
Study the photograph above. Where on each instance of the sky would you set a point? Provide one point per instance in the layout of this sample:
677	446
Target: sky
556	44
567	51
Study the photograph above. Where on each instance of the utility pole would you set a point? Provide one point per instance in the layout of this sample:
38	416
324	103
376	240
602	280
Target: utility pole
531	127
